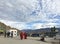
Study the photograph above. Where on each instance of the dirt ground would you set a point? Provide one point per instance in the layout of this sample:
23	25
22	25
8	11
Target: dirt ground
29	40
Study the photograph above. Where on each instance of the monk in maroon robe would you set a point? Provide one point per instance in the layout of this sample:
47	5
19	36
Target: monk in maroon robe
25	35
21	35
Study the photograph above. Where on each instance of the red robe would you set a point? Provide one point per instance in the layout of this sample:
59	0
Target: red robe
25	35
21	35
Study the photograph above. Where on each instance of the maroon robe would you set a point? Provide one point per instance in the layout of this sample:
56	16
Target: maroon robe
25	35
21	35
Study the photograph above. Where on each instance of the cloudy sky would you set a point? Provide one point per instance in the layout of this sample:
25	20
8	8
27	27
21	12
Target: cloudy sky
30	14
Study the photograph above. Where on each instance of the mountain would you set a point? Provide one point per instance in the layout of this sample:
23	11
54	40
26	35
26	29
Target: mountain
39	30
5	27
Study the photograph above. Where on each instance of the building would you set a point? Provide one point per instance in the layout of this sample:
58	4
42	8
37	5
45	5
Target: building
13	31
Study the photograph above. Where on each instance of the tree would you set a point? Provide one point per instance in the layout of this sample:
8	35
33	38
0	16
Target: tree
53	31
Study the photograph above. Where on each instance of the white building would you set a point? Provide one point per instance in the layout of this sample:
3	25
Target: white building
14	32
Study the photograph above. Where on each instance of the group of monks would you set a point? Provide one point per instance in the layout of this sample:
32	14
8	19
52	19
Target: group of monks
23	35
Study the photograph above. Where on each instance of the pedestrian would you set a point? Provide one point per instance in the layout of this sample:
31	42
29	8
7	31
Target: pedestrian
25	35
42	38
8	34
21	35
5	34
11	34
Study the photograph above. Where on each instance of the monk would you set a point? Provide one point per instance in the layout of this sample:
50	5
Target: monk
21	35
25	35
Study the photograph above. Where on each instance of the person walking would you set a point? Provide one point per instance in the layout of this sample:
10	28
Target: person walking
5	34
21	35
8	34
25	35
11	34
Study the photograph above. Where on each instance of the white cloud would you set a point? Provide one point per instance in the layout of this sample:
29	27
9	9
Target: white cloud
51	20
20	12
37	26
44	25
18	25
9	4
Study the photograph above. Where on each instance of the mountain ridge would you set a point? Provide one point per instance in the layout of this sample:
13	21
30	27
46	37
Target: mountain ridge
39	30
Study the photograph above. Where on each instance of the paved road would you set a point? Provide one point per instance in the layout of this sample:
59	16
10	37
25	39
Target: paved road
30	40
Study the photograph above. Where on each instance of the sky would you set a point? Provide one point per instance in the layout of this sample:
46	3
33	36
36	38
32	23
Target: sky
30	14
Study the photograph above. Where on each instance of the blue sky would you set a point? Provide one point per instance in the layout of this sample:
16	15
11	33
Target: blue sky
30	14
